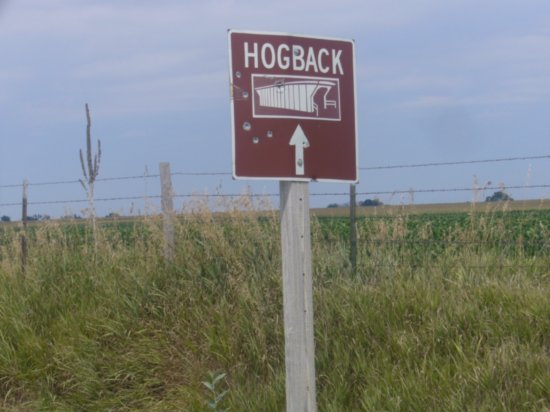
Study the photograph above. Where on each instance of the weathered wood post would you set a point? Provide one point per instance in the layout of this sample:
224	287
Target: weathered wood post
24	220
353	227
167	203
297	297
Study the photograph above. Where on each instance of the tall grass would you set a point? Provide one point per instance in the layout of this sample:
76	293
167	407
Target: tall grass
453	317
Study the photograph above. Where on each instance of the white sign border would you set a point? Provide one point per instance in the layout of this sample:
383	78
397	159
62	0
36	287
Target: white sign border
232	108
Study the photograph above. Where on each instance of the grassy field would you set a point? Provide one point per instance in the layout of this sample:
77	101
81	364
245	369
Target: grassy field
437	208
446	311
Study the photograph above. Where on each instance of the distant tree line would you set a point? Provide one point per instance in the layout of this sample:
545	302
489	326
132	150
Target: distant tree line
39	217
366	202
499	196
33	218
36	218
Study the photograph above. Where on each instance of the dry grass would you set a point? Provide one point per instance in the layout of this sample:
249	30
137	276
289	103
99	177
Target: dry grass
461	326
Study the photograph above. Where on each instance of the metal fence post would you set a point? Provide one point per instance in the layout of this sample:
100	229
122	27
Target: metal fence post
24	220
353	227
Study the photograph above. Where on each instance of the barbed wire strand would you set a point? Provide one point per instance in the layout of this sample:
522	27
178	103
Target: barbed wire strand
545	268
459	162
398	166
386	192
408	214
443	242
110	179
436	190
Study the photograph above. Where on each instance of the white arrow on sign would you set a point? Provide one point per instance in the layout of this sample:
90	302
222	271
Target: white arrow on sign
300	142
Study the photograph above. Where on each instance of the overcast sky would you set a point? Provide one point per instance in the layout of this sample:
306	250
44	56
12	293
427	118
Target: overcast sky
436	81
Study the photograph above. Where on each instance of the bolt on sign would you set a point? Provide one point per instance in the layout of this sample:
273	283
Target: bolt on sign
293	107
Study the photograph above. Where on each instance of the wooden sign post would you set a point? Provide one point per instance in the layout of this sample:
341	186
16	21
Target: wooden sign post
297	297
293	120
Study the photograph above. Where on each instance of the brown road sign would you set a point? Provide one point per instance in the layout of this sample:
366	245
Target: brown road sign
293	107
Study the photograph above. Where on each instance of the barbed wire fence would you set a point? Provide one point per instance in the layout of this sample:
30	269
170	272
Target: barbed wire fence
352	193
228	174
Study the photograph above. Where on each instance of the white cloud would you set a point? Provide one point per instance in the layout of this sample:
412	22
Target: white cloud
174	52
11	81
165	94
14	74
407	82
487	99
429	101
520	53
497	70
77	16
535	87
153	63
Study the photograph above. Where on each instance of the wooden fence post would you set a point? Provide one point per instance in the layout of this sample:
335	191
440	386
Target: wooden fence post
167	203
353	227
24	220
297	297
